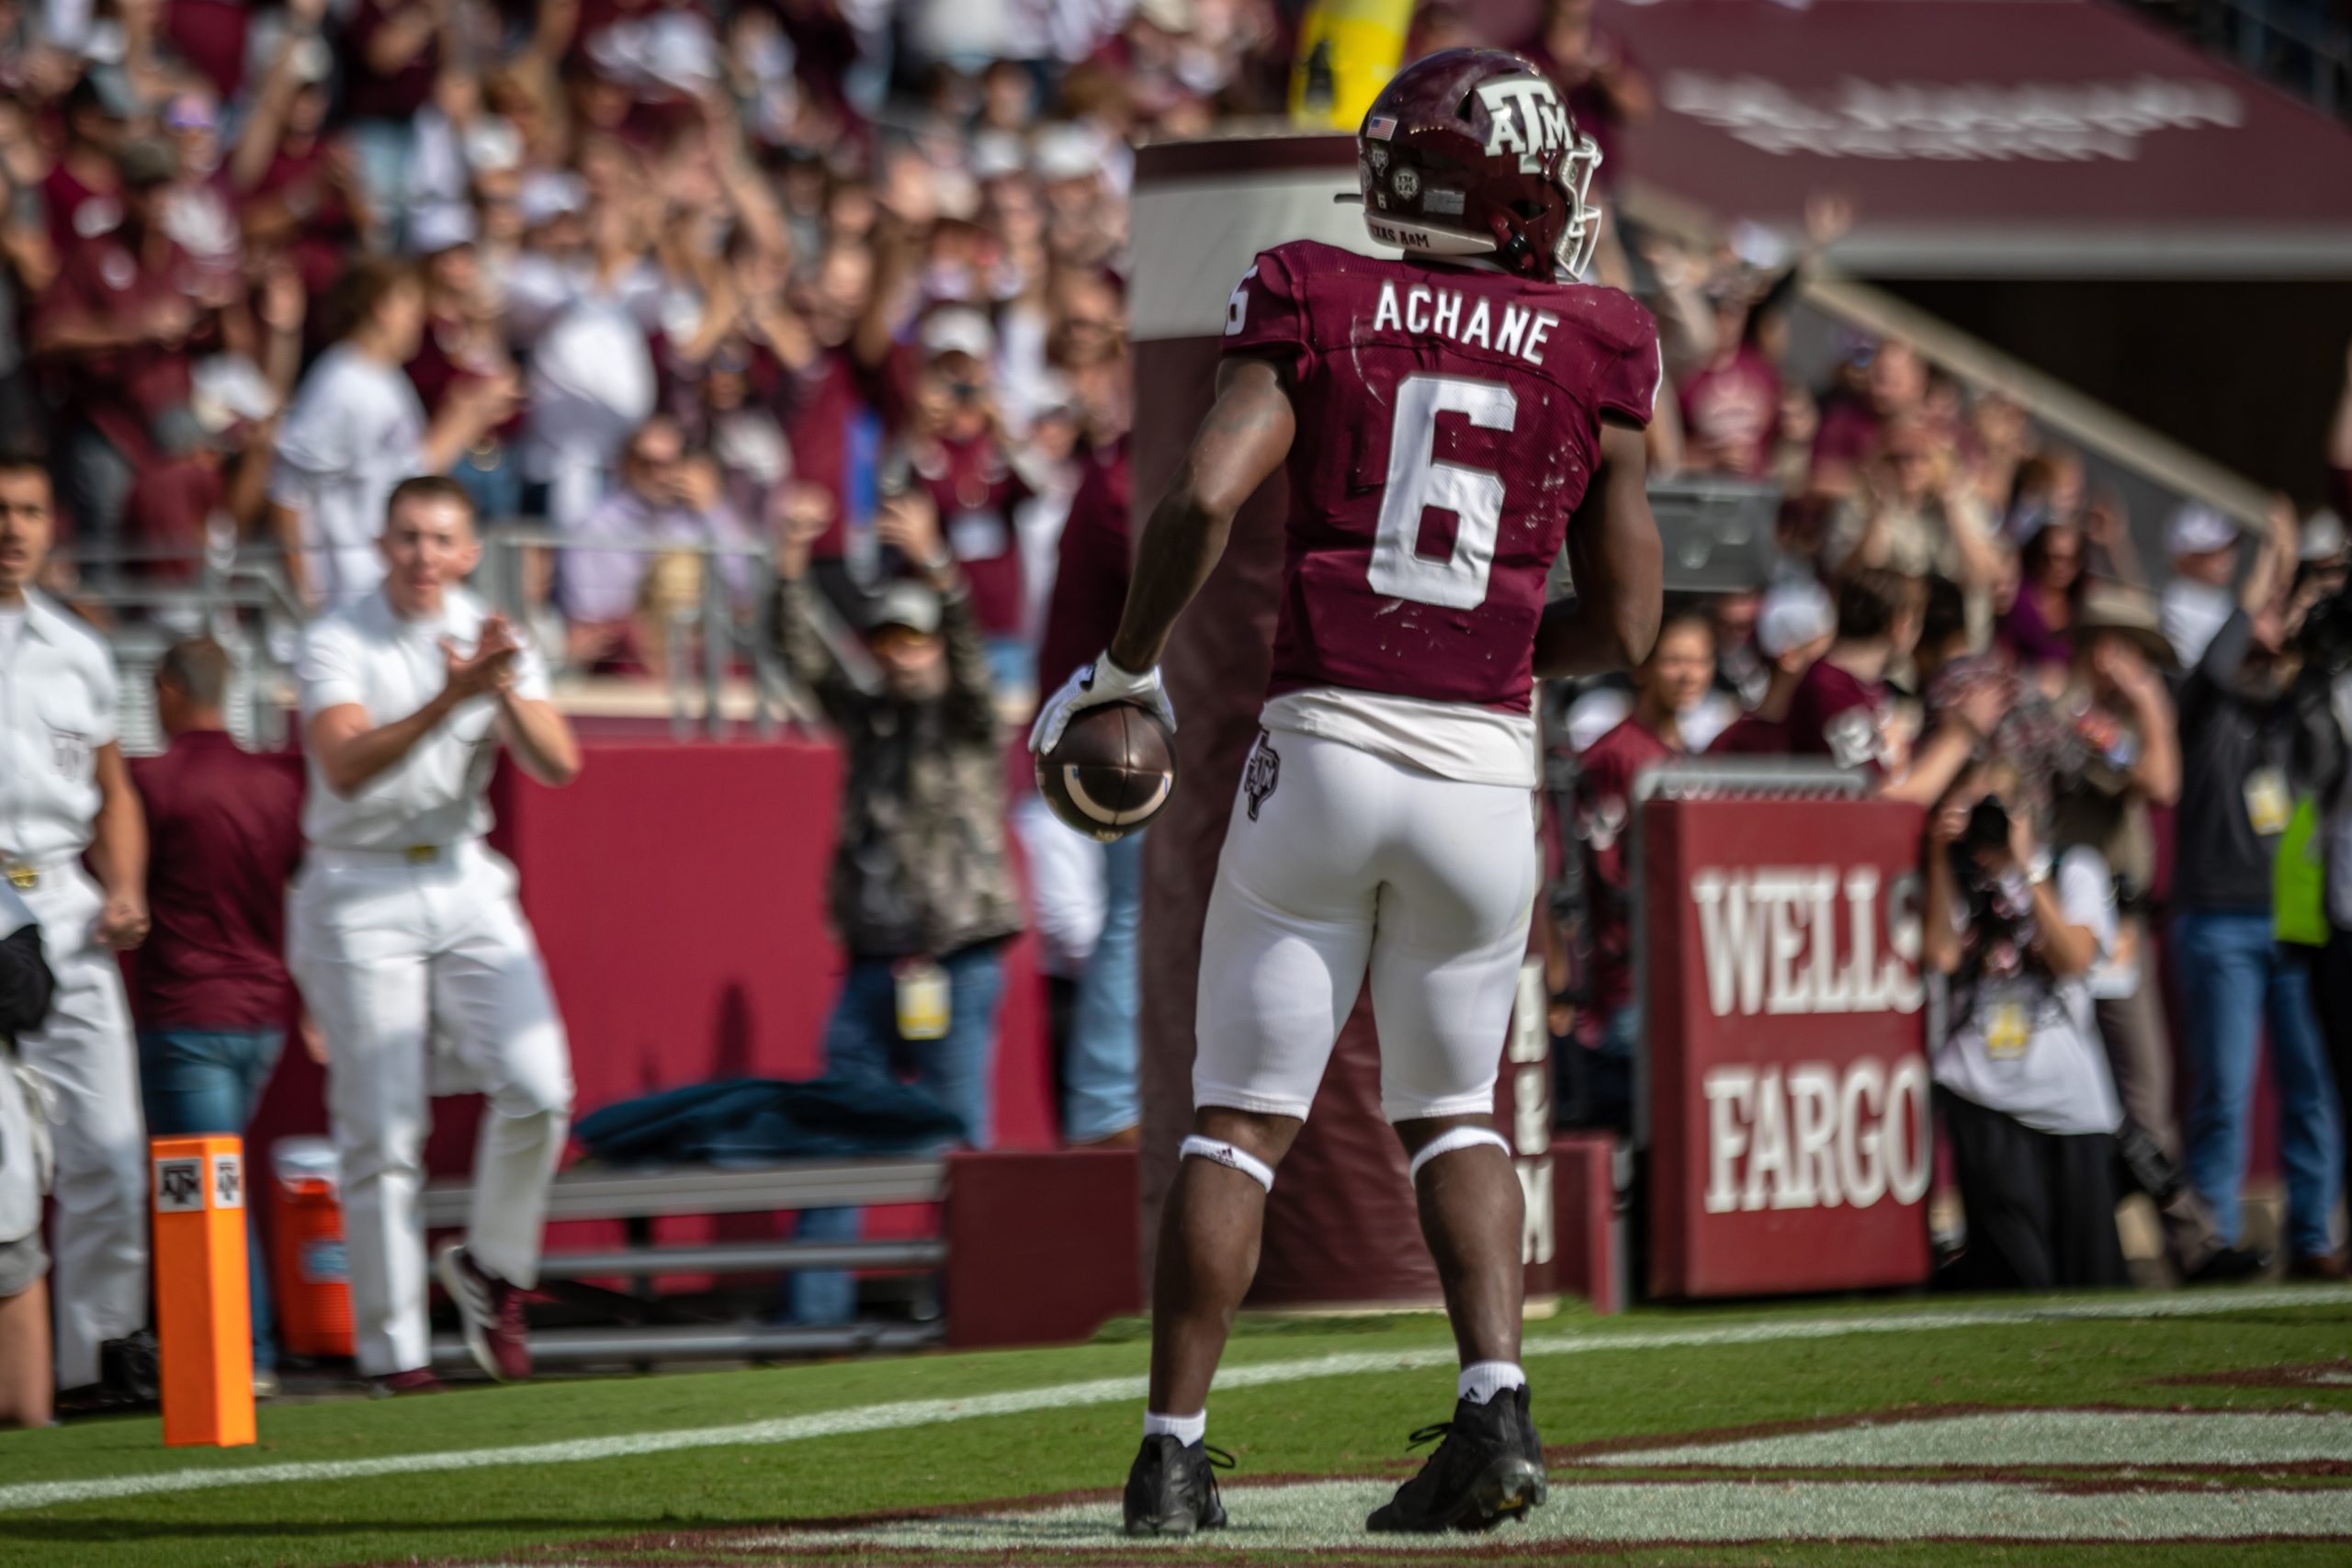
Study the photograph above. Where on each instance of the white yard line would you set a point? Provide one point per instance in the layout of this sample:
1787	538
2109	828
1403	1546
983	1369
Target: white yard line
1111	1390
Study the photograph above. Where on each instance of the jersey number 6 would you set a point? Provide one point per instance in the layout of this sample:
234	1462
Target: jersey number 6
1418	483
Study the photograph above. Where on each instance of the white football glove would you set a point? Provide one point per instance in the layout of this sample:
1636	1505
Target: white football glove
1095	684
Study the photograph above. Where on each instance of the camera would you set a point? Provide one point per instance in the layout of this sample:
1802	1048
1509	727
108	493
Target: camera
1988	828
2325	638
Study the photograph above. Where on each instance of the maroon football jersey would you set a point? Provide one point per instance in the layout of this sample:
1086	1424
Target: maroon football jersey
1449	422
1837	714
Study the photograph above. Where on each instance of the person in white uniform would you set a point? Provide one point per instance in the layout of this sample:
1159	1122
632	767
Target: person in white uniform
66	792
407	939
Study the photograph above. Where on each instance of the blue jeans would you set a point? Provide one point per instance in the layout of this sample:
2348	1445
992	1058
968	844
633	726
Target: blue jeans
863	1038
1098	1065
209	1081
1013	665
2233	975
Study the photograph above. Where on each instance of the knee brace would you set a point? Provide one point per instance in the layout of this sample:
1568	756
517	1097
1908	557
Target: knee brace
1447	1141
1224	1154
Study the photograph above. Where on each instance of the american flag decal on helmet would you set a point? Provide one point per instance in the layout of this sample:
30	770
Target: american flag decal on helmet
1380	127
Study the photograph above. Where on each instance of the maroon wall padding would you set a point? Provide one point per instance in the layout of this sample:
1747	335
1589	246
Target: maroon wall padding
1039	1245
678	893
1583	1204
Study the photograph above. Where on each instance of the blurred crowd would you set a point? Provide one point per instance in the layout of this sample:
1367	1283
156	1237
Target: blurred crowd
2135	773
656	276
685	293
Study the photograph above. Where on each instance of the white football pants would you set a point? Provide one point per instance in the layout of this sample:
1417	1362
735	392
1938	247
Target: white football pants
1352	861
391	958
85	1054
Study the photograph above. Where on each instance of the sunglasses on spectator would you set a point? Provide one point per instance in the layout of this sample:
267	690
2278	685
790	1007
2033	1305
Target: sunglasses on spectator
186	114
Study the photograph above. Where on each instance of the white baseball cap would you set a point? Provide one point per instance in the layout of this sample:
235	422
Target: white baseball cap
1066	151
549	194
957	330
443	226
2197	529
1791	614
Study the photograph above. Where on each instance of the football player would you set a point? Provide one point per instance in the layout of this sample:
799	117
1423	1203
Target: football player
1448	419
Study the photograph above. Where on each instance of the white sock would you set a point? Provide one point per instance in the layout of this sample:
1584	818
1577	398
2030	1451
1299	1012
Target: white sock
1186	1429
1481	1380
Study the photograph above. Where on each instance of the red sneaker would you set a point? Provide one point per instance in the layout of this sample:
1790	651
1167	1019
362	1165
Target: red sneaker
416	1379
492	1311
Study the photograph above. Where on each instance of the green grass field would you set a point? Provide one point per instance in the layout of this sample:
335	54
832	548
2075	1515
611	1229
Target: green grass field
1015	1457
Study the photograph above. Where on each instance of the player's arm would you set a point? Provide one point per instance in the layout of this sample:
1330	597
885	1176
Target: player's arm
1246	436
119	852
540	739
351	749
1619	566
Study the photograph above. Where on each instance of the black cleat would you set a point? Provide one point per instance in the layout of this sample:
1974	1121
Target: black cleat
1172	1489
1488	1468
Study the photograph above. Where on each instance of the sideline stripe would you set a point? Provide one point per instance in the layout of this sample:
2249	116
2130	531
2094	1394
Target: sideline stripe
1111	1390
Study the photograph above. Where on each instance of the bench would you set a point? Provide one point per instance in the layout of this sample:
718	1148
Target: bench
639	1197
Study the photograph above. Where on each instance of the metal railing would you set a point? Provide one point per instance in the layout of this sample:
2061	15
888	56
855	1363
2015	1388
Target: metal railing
700	645
239	598
244	600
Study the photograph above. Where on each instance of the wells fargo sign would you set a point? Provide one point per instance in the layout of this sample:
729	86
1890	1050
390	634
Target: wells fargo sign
1789	1107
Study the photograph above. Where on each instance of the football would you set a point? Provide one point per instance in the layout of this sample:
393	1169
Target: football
1113	773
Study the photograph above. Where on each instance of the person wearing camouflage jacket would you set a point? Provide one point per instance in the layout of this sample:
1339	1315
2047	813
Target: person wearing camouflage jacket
921	891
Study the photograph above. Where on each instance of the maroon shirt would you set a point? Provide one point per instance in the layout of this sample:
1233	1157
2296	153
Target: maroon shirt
1751	735
1605	776
1462	407
822	398
1848	433
123	390
210	35
166	513
224	833
1837	714
1731	409
369	95
328	230
1096	557
77	212
974	489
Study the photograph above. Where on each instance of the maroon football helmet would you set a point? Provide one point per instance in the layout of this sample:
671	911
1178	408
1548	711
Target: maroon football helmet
1472	153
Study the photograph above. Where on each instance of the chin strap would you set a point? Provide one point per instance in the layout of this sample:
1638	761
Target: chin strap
1447	1141
1225	1154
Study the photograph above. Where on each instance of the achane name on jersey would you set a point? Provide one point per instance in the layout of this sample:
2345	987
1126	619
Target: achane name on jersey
1423	309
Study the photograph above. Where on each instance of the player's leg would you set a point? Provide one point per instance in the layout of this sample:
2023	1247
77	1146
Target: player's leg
1282	955
1453	934
490	991
356	947
86	1053
1209	1235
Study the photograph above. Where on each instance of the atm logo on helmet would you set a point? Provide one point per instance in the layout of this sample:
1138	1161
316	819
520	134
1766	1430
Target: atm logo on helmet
1524	115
